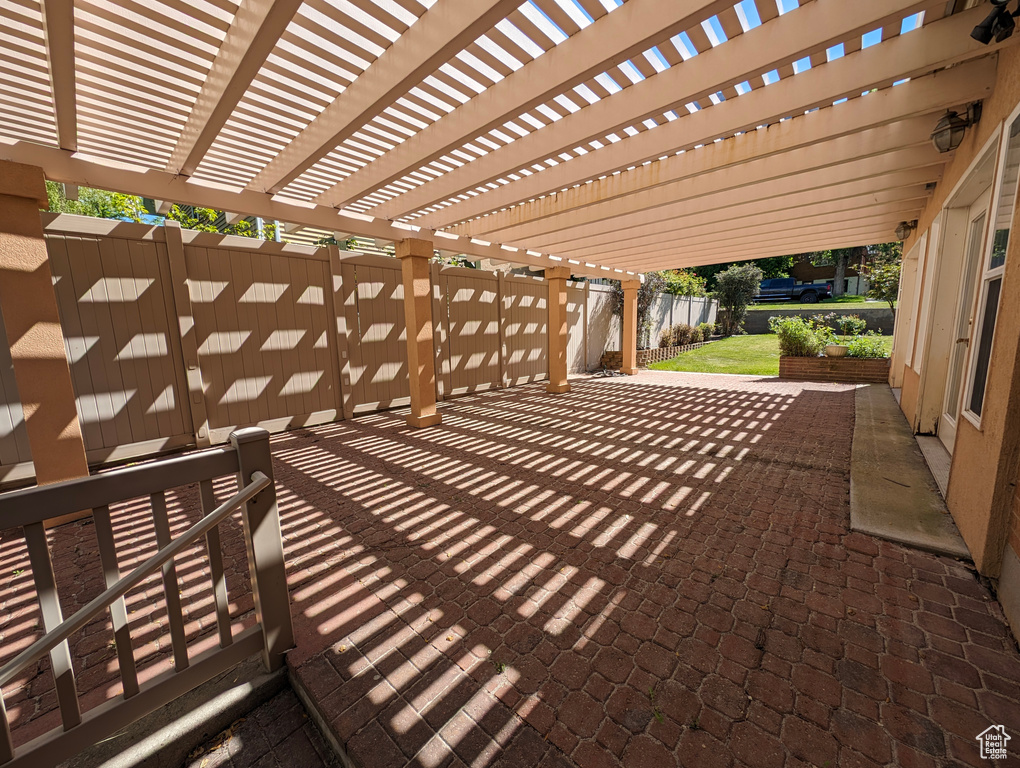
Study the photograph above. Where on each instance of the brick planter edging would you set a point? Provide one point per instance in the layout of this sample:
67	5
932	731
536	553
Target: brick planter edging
614	360
853	370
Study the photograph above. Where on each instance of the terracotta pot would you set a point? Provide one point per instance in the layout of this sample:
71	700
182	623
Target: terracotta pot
835	350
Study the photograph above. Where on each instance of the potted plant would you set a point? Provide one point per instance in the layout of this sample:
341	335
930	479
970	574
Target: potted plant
849	325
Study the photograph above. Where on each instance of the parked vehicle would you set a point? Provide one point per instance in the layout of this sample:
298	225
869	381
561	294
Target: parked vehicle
785	289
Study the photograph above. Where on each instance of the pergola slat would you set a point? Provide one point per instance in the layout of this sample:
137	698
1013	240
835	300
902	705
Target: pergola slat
442	32
568	128
576	60
906	56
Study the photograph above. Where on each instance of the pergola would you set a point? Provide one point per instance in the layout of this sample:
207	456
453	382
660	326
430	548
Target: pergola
593	138
590	134
596	138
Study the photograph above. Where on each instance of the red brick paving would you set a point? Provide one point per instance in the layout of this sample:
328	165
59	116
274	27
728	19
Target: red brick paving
654	570
278	734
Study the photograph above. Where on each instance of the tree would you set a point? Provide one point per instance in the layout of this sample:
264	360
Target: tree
884	281
653	285
735	288
841	258
101	204
97	203
208	220
774	266
683	282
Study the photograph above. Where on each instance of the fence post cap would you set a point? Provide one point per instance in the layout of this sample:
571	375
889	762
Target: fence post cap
248	435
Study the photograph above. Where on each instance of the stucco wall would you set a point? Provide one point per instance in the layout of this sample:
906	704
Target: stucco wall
985	460
908	395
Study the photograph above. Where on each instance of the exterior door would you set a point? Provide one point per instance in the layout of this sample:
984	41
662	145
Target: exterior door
964	322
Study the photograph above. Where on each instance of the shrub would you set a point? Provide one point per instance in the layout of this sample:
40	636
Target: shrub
696	336
707	329
851	325
735	288
666	337
798	337
682	282
871	345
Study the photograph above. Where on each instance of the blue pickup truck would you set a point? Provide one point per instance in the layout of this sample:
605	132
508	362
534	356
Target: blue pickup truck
785	289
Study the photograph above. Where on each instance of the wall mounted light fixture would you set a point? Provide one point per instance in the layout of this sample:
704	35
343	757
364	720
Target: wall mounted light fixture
950	129
904	228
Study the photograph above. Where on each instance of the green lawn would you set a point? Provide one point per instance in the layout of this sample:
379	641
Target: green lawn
756	355
843	302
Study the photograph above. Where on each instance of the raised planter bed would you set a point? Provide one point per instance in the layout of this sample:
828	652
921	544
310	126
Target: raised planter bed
852	370
645	357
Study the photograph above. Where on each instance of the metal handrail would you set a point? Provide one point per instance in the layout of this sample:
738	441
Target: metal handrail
65	629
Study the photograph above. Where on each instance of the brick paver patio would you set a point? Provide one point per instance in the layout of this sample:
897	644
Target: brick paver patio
650	571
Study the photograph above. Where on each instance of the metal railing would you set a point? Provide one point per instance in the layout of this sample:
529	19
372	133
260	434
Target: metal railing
249	458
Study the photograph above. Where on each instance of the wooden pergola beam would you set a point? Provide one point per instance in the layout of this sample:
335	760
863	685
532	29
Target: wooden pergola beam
444	30
58	28
821	225
816	26
76	168
254	32
614	38
780	214
929	48
768	179
660	182
863	233
891	186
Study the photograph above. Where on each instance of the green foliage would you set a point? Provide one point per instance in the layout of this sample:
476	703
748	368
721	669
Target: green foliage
735	288
884	281
707	329
774	266
650	288
101	204
847	301
454	261
680	335
756	355
798	336
205	220
97	203
886	252
350	244
850	325
683	282
871	345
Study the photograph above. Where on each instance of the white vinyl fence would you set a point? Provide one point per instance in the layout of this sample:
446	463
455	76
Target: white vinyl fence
176	338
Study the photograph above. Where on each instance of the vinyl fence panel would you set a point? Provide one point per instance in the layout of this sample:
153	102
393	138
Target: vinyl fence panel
525	329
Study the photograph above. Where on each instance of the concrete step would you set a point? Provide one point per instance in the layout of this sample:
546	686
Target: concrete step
165	738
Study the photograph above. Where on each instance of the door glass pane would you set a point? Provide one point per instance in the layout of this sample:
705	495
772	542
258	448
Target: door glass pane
1007	194
984	350
971	262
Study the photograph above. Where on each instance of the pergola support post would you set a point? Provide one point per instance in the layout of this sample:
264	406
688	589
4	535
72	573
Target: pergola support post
30	314
630	329
415	255
556	304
